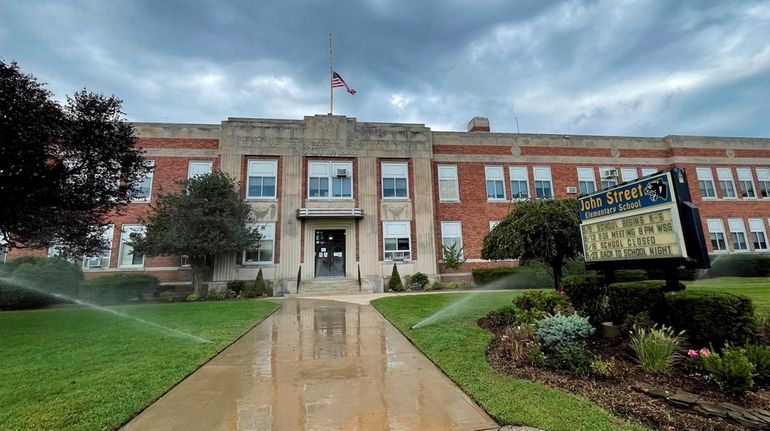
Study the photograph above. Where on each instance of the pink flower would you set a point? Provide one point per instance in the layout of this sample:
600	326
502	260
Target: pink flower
692	353
562	293
704	352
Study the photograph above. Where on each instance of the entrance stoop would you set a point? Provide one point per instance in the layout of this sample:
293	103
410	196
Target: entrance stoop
330	286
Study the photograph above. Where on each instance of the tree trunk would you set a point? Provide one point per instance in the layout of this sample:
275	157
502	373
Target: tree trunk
198	266
557	272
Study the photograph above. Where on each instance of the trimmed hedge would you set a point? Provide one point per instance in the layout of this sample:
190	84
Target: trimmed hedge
739	265
118	288
626	275
587	294
632	298
516	274
712	317
44	276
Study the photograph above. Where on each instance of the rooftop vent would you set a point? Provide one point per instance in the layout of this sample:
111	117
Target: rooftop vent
478	124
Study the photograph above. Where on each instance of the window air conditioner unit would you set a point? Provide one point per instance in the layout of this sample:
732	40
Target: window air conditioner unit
572	190
611	174
94	262
342	173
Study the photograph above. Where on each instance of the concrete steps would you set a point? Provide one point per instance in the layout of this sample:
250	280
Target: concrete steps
328	287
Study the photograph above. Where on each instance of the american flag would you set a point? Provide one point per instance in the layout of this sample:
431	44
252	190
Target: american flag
337	81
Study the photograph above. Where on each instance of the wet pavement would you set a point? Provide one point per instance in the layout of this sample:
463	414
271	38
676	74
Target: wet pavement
317	365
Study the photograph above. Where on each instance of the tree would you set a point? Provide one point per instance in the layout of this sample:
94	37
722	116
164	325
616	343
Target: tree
205	218
395	284
454	257
63	169
547	230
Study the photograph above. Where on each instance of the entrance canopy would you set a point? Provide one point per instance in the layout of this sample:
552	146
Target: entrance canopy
307	213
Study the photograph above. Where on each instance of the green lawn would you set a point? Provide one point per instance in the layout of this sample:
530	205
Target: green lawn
457	345
758	289
81	369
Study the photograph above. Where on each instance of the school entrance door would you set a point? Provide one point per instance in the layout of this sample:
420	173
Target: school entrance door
330	253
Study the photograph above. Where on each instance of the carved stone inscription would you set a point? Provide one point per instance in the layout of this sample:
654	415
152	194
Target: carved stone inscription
325	147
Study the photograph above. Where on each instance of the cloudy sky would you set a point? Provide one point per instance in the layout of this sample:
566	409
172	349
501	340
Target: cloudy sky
648	68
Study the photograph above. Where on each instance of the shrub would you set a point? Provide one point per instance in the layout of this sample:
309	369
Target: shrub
731	370
639	321
260	289
536	357
681	274
516	339
230	294
167	296
436	285
543	274
236	286
394	284
656	348
762	329
546	301
601	368
118	288
587	294
35	282
627	299
216	295
505	316
453	256
14	297
191	297
508	277
573	357
759	356
420	280
576	266
626	275
714	318
559	330
739	265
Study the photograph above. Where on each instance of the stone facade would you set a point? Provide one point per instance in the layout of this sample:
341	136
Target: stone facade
291	146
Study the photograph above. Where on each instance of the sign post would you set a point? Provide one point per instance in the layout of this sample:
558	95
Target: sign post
647	223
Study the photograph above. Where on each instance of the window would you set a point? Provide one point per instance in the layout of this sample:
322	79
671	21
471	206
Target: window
495	183
55	251
726	183
747	182
448	188
184	260
198	167
261	182
758	235
586	180
3	250
706	183
330	180
648	171
452	235
493	223
609	176
396	239
717	234
763	176
145	187
394	180
264	251
628	174
738	234
101	259
543	186
126	256
519	182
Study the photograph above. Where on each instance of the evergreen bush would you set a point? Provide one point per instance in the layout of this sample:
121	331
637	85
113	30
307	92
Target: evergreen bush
712	318
258	288
118	288
394	284
587	294
739	265
559	330
505	316
731	370
33	282
237	286
759	356
167	296
419	281
631	298
573	357
507	277
545	301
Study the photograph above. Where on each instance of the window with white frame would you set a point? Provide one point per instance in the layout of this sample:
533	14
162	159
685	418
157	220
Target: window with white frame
493	224
747	182
264	252
126	255
3	250
543	183
608	176
262	179
396	241
394	181
628	174
495	183
330	180
648	171
706	182
448	187
102	258
717	234
758	234
519	182
55	251
725	177
145	187
763	177
198	167
586	180
738	234
452	235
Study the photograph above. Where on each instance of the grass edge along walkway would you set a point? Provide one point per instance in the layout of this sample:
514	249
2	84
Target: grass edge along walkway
458	347
80	369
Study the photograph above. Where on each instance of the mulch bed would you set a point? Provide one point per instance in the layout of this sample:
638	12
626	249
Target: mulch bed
615	393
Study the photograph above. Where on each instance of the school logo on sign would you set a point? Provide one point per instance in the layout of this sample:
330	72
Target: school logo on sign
656	190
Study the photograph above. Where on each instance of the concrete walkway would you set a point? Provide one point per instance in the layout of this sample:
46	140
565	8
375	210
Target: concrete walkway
317	365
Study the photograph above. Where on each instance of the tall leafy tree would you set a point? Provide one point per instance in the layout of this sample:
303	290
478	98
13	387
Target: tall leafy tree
205	218
63	169
547	230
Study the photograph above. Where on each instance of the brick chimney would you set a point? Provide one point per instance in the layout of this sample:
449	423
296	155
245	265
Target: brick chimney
478	124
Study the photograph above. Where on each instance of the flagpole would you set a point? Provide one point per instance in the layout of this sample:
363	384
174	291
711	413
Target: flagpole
331	78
